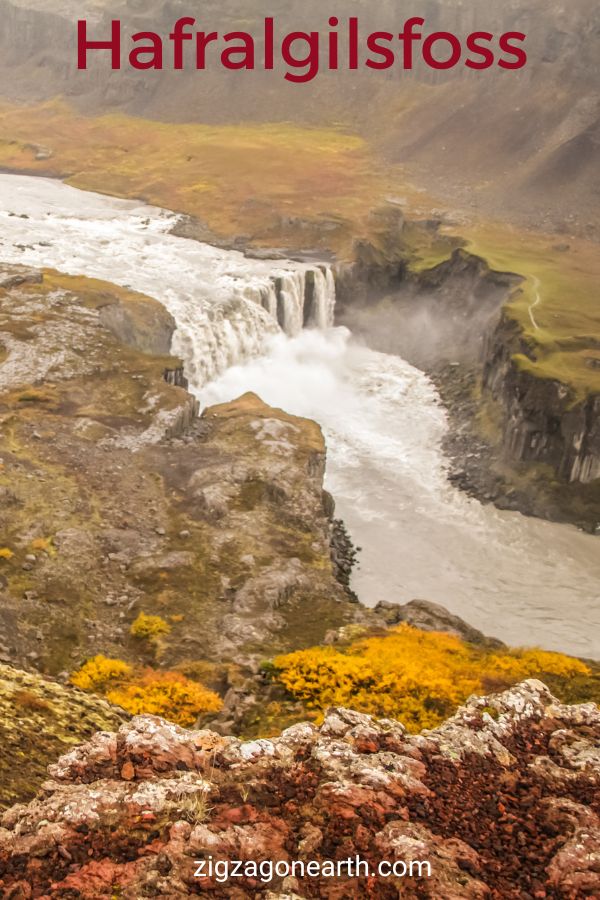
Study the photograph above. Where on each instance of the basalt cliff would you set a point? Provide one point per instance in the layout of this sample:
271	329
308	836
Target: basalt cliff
515	357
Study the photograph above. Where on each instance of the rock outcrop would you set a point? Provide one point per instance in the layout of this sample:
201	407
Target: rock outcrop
428	616
116	499
546	422
502	801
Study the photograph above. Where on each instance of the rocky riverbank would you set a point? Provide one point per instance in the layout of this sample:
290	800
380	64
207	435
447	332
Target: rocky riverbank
140	812
479	465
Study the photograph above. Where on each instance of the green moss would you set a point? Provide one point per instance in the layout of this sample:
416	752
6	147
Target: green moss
579	689
556	307
426	248
40	720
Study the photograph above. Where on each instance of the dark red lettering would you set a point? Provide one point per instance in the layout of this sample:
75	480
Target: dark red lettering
375	46
83	45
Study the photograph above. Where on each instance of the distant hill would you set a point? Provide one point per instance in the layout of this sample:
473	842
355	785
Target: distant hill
523	144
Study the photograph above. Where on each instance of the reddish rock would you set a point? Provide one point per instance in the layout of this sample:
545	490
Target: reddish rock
499	806
128	771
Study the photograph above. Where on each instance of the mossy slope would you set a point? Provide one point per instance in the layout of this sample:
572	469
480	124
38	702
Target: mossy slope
39	721
117	501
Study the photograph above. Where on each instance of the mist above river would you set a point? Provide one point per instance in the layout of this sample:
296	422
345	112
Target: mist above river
523	580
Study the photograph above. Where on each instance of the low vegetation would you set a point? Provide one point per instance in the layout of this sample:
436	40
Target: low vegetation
149	628
417	677
144	690
242	179
40	720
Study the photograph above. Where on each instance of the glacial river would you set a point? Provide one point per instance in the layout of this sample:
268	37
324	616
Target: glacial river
523	580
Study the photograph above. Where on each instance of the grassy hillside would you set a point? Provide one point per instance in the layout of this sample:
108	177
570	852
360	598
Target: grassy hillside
556	306
260	181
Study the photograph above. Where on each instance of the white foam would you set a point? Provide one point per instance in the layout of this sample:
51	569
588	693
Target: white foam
524	580
225	305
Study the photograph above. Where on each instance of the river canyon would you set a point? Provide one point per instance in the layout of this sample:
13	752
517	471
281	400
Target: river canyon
269	326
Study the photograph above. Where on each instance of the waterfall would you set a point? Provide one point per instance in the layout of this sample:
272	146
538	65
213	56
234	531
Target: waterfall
322	313
268	299
227	306
304	298
211	337
382	419
291	294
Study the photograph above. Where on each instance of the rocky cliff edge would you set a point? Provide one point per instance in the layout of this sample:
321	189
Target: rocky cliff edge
503	800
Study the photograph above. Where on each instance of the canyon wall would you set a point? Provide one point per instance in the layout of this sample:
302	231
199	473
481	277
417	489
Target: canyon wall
545	422
525	439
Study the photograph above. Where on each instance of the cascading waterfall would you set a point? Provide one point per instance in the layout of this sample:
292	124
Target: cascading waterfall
322	314
268	299
211	338
227	307
304	298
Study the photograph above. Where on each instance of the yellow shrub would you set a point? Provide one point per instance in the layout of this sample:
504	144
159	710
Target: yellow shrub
44	545
5	553
415	676
166	694
529	663
149	628
99	672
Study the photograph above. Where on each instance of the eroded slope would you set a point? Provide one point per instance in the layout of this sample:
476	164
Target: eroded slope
117	500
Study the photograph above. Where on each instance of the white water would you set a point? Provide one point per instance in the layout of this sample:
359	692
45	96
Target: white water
225	305
523	580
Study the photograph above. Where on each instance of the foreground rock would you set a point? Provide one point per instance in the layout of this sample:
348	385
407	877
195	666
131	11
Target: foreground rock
502	800
428	616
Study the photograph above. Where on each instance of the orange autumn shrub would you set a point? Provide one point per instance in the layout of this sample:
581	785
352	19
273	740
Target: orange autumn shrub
415	676
167	694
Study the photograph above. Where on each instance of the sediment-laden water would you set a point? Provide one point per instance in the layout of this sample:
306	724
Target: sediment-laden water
266	326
